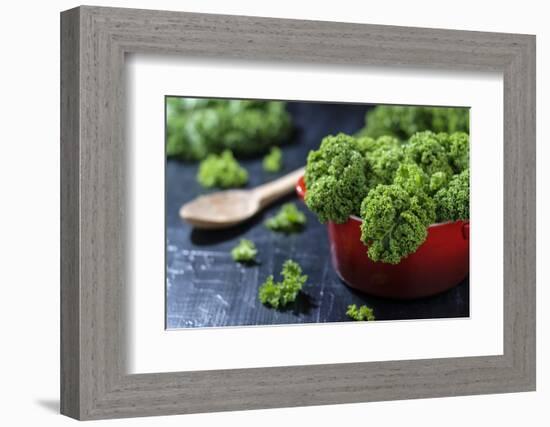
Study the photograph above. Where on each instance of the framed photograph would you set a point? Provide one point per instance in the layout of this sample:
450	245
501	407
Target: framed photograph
261	213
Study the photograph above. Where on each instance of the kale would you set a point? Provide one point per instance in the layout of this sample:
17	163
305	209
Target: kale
458	149
198	127
404	121
361	313
288	220
384	161
221	171
453	201
273	161
398	189
336	179
395	222
279	294
429	152
366	145
244	252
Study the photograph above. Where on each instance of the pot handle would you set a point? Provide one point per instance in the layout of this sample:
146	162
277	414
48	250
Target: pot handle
301	188
466	231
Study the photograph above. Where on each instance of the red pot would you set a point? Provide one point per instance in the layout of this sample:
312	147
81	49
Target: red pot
440	263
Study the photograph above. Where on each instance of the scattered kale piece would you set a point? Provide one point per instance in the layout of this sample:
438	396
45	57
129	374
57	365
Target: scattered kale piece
270	292
245	251
273	161
221	171
453	201
404	121
279	294
288	220
361	313
196	128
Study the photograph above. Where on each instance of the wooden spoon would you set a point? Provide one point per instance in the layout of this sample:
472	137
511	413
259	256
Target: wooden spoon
227	208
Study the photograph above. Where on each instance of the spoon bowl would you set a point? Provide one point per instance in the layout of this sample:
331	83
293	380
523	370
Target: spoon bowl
220	210
231	207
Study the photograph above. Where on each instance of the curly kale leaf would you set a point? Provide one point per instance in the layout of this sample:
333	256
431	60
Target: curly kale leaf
221	171
288	220
270	292
450	119
384	161
404	121
428	151
198	127
394	222
320	162
362	313
414	180
245	251
366	145
458	150
437	181
411	178
279	294
453	201
273	161
336	179
193	135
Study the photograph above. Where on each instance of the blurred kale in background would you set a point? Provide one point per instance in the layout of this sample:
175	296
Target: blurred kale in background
404	121
196	127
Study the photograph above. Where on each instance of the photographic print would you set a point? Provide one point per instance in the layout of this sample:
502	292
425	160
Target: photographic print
279	189
287	212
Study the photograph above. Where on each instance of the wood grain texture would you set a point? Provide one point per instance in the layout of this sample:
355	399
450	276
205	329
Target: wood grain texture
70	292
94	239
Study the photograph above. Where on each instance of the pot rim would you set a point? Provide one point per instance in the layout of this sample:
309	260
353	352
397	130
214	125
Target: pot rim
435	224
301	190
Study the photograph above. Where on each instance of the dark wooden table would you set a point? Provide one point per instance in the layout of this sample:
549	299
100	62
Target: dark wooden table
205	287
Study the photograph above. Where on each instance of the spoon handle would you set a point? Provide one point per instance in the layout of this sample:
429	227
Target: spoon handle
274	190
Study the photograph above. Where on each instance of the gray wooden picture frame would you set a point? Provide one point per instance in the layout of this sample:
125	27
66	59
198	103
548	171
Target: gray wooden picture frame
94	382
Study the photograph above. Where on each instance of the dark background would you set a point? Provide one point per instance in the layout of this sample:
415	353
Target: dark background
205	287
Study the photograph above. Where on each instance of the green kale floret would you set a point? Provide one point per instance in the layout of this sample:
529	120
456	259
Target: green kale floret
395	222
384	161
273	161
245	251
198	127
197	133
404	121
362	313
458	149
453	201
450	119
289	219
398	121
437	181
279	294
336	179
221	171
366	145
412	178
429	152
